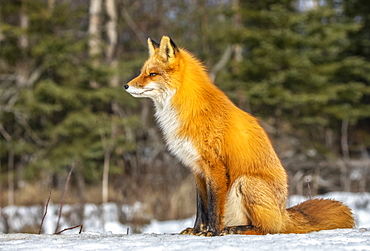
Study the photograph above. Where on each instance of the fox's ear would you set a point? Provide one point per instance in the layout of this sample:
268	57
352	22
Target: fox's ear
152	45
168	49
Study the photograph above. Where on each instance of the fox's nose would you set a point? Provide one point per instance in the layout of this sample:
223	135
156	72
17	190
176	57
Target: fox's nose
126	86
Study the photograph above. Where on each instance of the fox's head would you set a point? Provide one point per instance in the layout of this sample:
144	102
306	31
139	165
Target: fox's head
159	73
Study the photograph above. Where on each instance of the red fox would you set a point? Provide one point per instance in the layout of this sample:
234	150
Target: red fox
240	182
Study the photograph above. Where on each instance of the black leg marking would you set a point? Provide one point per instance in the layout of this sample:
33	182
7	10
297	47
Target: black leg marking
201	220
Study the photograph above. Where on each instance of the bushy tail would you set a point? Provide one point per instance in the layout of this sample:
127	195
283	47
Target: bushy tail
318	214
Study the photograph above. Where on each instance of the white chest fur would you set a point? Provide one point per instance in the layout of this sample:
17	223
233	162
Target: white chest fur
169	122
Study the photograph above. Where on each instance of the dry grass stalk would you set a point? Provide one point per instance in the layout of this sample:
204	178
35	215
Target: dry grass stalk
63	197
46	210
70	228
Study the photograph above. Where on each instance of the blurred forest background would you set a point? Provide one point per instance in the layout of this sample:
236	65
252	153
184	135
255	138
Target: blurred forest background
301	66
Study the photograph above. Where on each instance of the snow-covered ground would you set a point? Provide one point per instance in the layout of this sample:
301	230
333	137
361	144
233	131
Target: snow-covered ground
345	239
162	235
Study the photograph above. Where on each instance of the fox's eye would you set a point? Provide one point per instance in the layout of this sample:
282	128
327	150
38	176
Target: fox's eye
152	74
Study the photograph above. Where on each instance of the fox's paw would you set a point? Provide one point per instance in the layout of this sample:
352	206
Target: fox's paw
237	229
189	230
207	233
193	231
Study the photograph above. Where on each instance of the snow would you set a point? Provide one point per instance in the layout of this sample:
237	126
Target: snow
344	239
168	226
110	234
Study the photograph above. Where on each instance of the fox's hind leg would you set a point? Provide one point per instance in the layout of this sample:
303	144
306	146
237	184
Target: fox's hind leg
253	208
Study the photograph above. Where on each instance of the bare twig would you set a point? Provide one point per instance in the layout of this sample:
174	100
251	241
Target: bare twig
222	62
309	189
5	134
46	210
134	27
63	196
70	228
33	135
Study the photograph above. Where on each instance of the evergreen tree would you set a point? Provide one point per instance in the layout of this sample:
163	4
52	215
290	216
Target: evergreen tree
58	119
295	69
304	72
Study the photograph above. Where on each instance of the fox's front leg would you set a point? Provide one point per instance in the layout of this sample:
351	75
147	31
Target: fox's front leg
216	194
211	205
201	220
